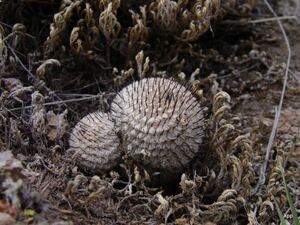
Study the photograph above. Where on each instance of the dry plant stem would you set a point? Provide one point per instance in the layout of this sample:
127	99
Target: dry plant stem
30	75
262	177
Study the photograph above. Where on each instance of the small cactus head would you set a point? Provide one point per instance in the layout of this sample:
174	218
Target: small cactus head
161	124
95	143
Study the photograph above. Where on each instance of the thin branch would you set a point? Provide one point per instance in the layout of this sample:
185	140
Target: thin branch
30	75
262	20
264	166
58	102
5	24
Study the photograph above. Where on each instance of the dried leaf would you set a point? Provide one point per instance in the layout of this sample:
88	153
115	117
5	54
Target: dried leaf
38	115
163	208
41	70
109	24
57	125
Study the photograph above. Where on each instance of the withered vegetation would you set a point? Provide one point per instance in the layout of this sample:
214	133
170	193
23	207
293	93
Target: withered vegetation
60	60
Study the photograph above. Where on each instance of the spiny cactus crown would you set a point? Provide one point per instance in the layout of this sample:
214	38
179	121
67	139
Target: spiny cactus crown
95	142
161	123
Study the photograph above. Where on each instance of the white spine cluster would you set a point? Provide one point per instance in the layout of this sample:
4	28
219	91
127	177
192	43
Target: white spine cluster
161	124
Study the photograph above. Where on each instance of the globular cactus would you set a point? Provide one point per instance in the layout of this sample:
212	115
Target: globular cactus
95	143
161	124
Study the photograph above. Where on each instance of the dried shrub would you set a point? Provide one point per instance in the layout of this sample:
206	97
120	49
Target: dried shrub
109	24
187	20
92	27
139	32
